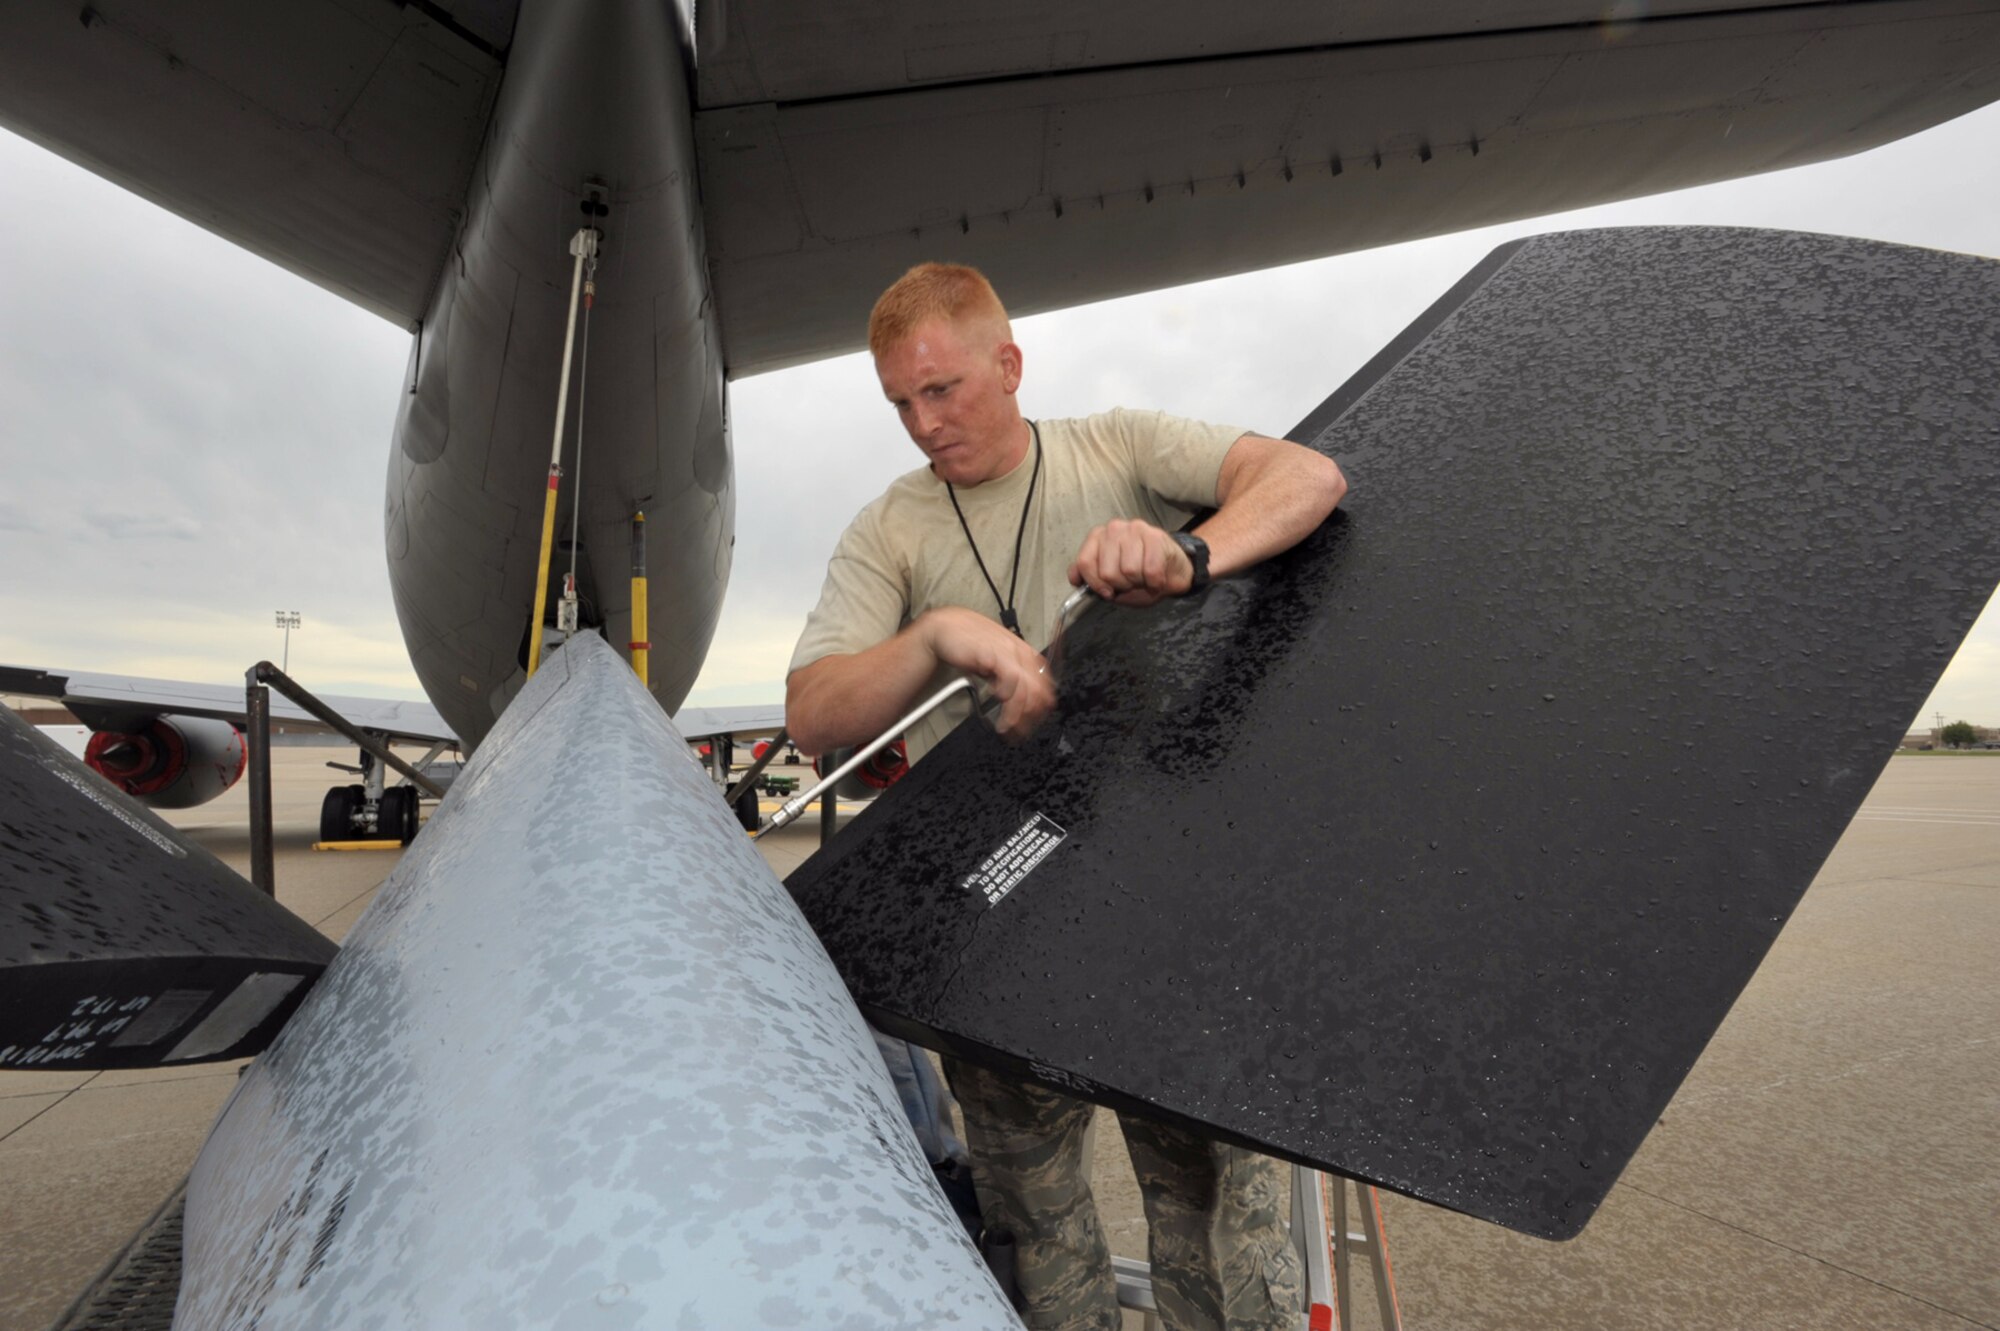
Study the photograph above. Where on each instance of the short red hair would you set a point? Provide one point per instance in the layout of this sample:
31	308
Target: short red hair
949	291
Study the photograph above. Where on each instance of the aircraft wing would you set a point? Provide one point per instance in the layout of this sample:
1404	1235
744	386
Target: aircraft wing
1076	151
104	700
1081	151
707	722
110	696
334	139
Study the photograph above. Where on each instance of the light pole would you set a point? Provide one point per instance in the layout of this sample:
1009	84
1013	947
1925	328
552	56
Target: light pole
287	620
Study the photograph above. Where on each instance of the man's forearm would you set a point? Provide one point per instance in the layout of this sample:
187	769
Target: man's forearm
1274	496
842	700
839	701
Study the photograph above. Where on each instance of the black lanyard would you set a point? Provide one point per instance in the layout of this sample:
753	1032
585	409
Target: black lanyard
1007	615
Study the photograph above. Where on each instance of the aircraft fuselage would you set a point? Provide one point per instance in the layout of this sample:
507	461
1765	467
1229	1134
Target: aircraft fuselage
594	96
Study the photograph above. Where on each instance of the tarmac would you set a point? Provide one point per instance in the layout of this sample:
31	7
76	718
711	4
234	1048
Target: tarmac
1832	1162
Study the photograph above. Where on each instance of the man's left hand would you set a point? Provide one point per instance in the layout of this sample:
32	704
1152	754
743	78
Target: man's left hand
1132	563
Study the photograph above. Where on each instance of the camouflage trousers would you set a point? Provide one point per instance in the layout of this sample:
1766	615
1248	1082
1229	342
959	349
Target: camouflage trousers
1219	1217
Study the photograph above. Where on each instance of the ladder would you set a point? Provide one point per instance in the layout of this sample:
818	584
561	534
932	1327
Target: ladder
1327	1254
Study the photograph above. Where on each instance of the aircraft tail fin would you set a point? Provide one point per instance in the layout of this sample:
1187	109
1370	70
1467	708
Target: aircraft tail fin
1434	851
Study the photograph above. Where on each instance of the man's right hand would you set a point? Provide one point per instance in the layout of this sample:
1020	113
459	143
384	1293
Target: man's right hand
1017	674
852	698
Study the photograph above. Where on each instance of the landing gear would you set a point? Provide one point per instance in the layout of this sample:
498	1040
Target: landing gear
343	815
339	811
399	814
369	811
721	754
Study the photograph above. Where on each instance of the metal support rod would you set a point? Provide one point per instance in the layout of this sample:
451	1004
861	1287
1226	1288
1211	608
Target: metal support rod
266	673
756	769
798	804
433	753
373	782
1343	1256
1310	1236
257	738
583	245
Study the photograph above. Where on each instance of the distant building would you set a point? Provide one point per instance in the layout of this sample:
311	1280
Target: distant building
38	711
1988	738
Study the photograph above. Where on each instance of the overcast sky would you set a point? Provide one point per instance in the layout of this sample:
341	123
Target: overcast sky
195	438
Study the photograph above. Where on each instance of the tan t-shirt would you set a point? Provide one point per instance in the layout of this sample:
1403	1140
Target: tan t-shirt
905	553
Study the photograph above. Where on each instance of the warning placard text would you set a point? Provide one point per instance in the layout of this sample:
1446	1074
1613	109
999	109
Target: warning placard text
1016	858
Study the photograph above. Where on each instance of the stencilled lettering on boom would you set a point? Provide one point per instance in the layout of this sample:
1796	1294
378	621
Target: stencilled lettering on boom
93	1019
292	1227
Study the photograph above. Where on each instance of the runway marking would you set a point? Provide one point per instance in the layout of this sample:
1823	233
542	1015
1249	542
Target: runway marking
1969	818
366	891
1929	808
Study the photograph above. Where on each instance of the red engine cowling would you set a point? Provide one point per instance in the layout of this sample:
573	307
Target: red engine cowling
172	762
883	770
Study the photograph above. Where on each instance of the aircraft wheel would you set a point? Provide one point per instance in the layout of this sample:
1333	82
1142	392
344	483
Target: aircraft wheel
747	812
336	813
401	813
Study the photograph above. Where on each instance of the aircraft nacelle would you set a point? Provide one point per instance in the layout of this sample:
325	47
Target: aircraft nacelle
169	762
870	779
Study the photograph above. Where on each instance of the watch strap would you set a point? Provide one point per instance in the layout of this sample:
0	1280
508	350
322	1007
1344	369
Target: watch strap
1196	550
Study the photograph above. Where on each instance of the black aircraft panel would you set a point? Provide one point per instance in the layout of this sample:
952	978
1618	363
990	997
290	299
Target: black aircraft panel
1434	851
122	943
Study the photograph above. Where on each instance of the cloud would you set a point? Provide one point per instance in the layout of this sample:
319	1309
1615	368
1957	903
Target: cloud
1969	689
133	635
118	526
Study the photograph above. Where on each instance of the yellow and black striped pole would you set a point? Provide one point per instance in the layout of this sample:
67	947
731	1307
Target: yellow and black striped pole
542	571
641	648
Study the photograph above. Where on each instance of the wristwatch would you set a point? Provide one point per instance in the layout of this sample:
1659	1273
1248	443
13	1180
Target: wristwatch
1196	550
